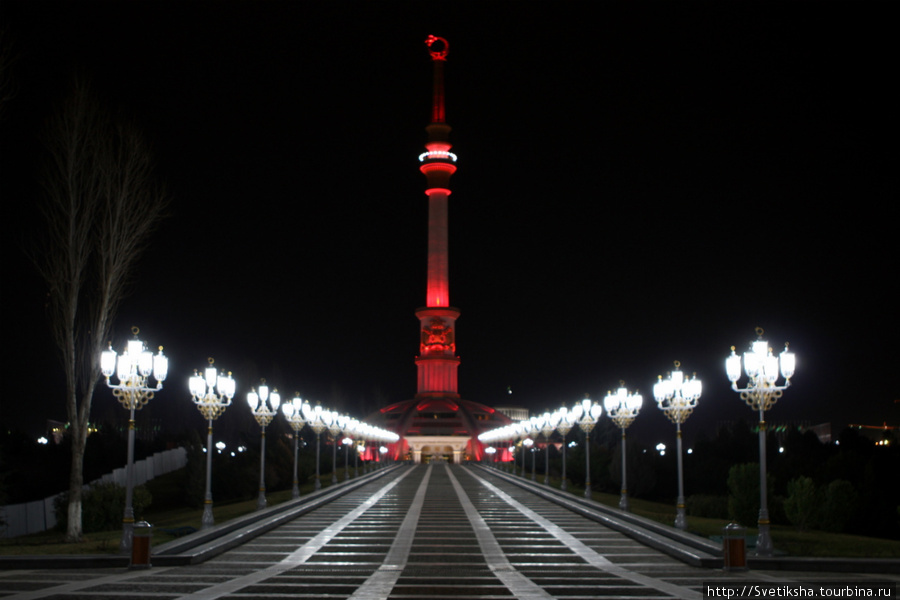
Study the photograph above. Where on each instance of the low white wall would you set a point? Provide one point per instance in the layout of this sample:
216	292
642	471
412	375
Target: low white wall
32	517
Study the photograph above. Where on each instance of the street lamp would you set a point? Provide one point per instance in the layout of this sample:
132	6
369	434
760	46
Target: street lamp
537	425
316	419
212	393
351	427
550	421
527	443
489	455
522	429
590	414
761	393
259	407
293	412
623	408
677	397
566	422
334	429
135	365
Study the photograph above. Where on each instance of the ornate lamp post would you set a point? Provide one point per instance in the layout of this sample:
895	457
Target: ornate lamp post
677	397
550	421
135	365
212	393
335	429
537	424
623	408
527	443
566	422
761	393
489	455
259	403
293	412
346	441
522	429
590	414
350	430
316	419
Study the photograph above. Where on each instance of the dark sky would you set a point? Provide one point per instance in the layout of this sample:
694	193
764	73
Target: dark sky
638	183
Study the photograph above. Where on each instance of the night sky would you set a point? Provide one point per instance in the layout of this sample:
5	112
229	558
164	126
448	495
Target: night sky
638	183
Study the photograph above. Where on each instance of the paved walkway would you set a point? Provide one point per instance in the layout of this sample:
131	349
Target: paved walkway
438	532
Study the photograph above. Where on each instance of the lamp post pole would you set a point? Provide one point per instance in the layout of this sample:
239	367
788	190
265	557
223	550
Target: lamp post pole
316	419
623	408
135	365
211	393
522	428
761	393
351	429
550	421
527	443
537	423
566	421
591	412
293	412
259	406
677	397
334	429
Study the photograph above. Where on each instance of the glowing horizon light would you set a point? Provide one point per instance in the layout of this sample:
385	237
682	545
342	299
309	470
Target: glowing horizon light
437	154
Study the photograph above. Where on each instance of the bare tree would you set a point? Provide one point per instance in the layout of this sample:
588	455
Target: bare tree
100	205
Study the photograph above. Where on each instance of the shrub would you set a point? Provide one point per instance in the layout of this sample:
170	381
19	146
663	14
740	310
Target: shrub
838	507
743	493
102	506
707	505
803	504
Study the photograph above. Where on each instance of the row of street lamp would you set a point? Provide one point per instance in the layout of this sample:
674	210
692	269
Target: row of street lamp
677	397
212	392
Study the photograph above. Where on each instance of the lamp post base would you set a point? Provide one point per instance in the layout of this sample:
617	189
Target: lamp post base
680	518
127	536
207	520
764	541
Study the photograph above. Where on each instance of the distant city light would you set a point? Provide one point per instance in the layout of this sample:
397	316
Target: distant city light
220	446
42	440
661	448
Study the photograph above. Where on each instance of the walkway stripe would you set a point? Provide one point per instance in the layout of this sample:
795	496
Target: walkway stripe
382	581
520	586
299	556
589	554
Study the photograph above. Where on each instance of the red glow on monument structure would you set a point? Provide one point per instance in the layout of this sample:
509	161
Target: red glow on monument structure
437	361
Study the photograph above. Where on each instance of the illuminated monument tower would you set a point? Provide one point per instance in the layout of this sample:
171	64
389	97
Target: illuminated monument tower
437	361
437	422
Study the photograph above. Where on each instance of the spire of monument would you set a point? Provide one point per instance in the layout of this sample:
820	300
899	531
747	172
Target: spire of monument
438	48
